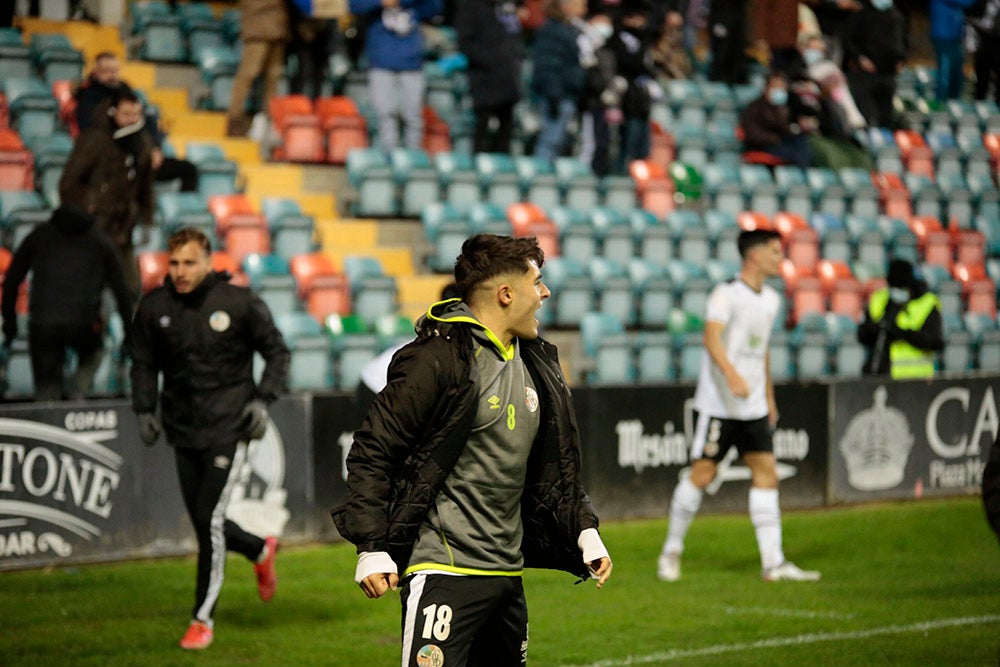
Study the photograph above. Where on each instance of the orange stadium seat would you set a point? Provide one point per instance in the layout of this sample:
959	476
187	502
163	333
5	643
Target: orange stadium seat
324	291
234	210
653	186
807	297
916	155
298	125
63	92
243	240
223	261
344	126
970	246
750	220
527	219
16	162
153	268
663	147
437	134
923	226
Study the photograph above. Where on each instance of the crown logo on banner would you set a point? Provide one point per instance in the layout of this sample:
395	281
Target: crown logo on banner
876	446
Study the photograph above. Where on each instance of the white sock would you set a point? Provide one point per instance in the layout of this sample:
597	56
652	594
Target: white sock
683	507
766	519
263	554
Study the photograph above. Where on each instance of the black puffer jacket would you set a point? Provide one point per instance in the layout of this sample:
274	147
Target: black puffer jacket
203	343
418	427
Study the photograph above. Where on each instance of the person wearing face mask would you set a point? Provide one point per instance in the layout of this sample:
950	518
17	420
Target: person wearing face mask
631	46
902	326
602	97
768	125
109	174
875	50
825	72
489	35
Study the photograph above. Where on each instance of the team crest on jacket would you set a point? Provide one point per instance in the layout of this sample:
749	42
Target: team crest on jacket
430	655
531	399
219	321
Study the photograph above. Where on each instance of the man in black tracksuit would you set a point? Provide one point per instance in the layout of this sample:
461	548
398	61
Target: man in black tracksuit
72	262
201	333
466	469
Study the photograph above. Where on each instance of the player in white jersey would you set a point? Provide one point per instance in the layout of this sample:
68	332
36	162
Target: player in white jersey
734	406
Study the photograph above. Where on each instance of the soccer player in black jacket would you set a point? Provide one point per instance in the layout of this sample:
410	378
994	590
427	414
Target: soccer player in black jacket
201	333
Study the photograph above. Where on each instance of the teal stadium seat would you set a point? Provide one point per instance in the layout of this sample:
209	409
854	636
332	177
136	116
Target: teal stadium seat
538	181
55	58
291	230
373	292
614	233
157	32
370	174
51	153
216	173
20	212
310	366
498	178
185	209
217	66
15	57
578	186
577	238
270	277
572	292
33	109
609	349
354	345
613	289
458	179
654	358
416	180
200	27
652	292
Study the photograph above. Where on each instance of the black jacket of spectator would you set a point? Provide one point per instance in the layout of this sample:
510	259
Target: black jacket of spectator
877	35
764	124
558	74
92	94
72	262
489	34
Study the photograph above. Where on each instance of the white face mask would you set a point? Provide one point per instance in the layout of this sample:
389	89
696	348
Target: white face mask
899	294
812	56
604	30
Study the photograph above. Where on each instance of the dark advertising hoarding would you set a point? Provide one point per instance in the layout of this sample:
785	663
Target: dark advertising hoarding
335	417
77	484
636	443
894	439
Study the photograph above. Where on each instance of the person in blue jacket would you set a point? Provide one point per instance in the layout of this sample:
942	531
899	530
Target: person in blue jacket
558	80
395	51
947	30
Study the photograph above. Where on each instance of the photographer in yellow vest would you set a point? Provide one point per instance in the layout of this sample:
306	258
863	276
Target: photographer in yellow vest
902	326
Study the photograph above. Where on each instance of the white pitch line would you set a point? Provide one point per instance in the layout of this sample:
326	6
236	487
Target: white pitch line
790	613
810	638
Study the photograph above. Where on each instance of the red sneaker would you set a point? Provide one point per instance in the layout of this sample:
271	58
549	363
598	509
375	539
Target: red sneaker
198	636
267	579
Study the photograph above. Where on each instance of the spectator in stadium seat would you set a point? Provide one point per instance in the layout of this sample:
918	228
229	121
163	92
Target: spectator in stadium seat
902	326
201	334
875	50
489	34
833	17
109	174
602	100
735	407
822	69
103	84
264	31
466	469
768	125
558	78
71	264
395	50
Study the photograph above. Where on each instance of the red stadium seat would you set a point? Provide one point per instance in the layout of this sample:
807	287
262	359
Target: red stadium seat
437	134
758	157
247	240
324	291
663	147
807	297
299	128
223	261
803	248
344	126
63	92
938	248
970	246
527	219
848	298
922	226
234	211
792	274
916	155
750	220
981	297
654	187
153	267
16	162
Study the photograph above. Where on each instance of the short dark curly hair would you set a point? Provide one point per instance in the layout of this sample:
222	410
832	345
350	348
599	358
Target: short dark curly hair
486	256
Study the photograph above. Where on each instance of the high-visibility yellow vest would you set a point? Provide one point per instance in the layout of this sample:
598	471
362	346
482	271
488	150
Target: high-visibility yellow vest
905	360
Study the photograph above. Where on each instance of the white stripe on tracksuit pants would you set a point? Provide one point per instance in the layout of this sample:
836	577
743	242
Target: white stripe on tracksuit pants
207	478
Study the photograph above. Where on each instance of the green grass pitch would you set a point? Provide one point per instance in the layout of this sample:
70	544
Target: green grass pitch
914	583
